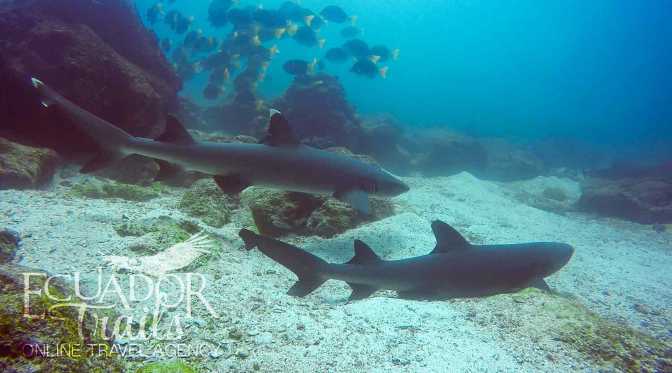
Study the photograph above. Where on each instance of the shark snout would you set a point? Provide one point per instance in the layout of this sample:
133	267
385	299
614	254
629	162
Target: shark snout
390	186
558	255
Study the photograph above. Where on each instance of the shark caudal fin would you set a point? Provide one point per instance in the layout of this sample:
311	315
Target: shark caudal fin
112	141
306	266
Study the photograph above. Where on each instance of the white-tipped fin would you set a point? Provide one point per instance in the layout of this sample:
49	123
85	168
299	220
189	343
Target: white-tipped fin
37	83
272	112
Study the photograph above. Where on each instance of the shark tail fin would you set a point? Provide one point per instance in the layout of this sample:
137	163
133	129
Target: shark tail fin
307	267
110	139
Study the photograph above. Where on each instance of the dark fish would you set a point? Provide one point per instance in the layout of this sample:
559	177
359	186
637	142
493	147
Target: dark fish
269	18
183	24
166	45
219	76
240	17
171	19
333	13
191	39
306	36
382	52
205	44
219	59
350	32
337	55
366	67
315	21
294	12
212	91
154	12
296	67
357	48
217	12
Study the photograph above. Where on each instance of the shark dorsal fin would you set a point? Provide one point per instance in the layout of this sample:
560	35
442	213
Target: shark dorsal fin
363	254
447	238
279	131
175	132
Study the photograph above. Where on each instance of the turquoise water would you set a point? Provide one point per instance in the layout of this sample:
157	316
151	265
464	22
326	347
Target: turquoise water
598	70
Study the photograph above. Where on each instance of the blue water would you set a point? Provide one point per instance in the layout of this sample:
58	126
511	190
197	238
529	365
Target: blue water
593	70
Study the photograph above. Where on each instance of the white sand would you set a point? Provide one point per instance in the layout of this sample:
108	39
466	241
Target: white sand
617	265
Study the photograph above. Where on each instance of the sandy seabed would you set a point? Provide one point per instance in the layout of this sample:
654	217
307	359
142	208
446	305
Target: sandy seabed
619	271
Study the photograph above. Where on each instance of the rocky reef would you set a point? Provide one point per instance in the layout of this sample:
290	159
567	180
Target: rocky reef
97	54
24	166
319	112
23	336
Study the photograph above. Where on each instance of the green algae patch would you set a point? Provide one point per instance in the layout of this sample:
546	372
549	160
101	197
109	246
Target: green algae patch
166	367
205	201
47	325
112	189
160	232
549	318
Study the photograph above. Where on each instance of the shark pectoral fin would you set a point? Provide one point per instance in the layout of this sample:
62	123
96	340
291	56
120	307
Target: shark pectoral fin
167	170
100	161
231	184
541	285
357	198
305	286
360	291
447	238
364	254
279	131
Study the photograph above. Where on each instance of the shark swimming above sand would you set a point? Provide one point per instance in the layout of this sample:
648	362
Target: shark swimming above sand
454	269
280	161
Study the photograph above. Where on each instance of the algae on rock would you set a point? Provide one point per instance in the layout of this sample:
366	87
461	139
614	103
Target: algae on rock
205	201
111	189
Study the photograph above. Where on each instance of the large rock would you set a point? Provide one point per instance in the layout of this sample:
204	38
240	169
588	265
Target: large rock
277	213
9	242
443	153
24	166
96	53
319	113
384	139
508	162
645	201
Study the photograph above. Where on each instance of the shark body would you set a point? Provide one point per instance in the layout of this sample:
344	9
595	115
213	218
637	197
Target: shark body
454	269
279	162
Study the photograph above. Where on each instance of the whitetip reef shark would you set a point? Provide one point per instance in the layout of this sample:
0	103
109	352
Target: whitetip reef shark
279	161
454	269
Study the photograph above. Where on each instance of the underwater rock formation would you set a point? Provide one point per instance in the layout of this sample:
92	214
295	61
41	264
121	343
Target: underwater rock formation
97	54
384	139
645	201
205	201
508	162
9	242
319	113
442	153
277	213
24	167
60	326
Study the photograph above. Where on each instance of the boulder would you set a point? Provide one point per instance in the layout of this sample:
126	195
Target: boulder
9	242
23	167
97	54
319	113
277	213
443	153
508	162
646	201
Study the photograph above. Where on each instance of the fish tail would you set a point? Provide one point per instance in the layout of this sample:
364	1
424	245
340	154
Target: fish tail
112	141
383	72
310	270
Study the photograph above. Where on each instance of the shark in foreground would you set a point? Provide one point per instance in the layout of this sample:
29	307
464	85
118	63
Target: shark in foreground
280	161
455	269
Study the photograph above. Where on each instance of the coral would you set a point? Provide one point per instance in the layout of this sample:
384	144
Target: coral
60	327
25	167
100	190
166	367
207	202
